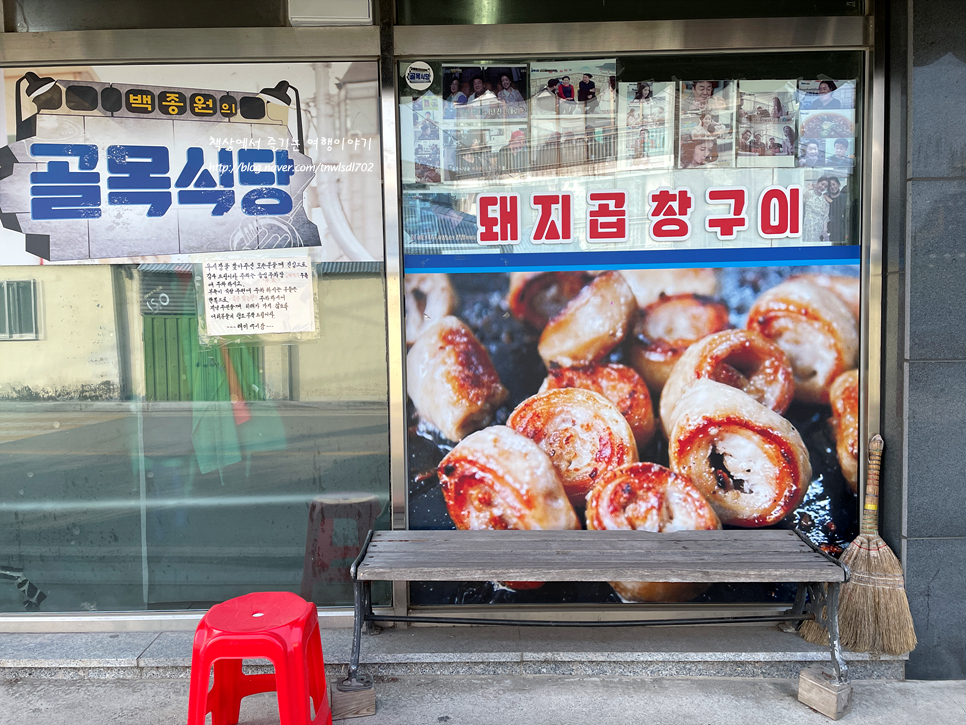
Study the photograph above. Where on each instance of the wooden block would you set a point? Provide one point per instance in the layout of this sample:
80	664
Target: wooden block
351	703
820	692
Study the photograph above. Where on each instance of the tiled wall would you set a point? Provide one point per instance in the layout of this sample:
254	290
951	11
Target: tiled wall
924	391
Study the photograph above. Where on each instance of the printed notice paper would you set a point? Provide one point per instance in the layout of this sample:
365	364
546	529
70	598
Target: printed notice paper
258	297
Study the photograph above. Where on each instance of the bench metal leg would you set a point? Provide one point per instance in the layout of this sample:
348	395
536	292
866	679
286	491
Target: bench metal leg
371	627
823	602
839	667
353	680
797	608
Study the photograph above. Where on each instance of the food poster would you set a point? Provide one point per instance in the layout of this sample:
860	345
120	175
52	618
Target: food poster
561	382
645	120
654	398
706	132
767	124
657	343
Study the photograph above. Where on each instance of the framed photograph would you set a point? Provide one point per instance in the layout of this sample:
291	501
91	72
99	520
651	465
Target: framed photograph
706	126
484	93
582	88
646	125
826	94
767	114
701	96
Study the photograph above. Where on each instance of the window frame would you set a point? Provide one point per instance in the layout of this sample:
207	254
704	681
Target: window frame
8	292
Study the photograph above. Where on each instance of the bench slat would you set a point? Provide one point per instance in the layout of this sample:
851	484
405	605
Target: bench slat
626	545
568	559
487	535
783	573
696	556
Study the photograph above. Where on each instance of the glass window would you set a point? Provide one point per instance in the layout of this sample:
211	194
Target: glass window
159	449
632	300
18	310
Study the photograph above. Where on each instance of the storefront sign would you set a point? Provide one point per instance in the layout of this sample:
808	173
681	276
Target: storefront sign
106	170
498	217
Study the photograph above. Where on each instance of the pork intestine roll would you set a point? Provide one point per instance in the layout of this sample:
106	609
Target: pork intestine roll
429	298
815	329
668	327
740	358
583	433
747	460
649	497
649	284
620	385
451	379
844	396
537	297
591	325
497	478
842	286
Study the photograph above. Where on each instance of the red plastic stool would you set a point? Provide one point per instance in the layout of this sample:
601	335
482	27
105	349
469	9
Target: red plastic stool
279	626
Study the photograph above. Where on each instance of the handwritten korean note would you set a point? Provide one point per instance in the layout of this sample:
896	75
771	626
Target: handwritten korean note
259	296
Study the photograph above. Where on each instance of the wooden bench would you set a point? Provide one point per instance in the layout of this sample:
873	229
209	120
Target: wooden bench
751	555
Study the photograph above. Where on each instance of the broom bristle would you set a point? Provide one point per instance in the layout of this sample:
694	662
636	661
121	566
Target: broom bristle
874	611
814	632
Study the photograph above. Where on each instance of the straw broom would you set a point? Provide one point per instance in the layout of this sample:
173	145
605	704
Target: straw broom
873	609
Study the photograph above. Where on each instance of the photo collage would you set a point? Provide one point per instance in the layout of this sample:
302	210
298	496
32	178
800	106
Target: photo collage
476	128
572	114
827	151
706	136
646	122
571	119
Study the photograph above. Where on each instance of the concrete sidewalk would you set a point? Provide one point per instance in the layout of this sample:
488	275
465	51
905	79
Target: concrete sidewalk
516	700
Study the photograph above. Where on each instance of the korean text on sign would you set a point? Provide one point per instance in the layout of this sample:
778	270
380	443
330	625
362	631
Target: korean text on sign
259	296
141	176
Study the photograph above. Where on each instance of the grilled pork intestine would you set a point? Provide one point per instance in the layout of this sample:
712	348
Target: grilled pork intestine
538	297
451	379
649	497
620	385
844	396
668	327
429	298
497	478
842	286
583	433
815	329
591	325
747	460
649	284
740	358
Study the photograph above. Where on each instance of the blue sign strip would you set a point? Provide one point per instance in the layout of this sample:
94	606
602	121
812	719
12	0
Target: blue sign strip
684	258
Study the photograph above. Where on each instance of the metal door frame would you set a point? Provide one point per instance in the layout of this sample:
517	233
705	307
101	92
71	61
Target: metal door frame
661	37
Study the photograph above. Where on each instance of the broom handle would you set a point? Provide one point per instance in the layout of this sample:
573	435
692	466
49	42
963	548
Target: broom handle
870	514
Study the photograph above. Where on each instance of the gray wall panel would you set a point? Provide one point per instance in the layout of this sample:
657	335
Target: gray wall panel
937	269
935	584
936	422
924	381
